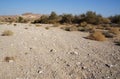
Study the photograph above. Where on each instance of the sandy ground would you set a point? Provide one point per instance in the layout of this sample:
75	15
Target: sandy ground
56	54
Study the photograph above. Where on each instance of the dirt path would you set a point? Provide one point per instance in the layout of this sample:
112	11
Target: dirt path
56	54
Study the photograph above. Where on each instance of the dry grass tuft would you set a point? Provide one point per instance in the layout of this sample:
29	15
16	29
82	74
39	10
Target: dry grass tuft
114	31
70	28
83	24
47	28
56	25
98	36
38	25
7	33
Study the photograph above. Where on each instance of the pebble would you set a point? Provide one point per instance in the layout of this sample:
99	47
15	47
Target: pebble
51	50
40	72
10	61
109	66
74	53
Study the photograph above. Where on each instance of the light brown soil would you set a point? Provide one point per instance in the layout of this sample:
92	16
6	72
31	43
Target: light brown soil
53	53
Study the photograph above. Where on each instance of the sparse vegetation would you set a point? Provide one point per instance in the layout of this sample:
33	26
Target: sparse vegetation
108	34
7	33
98	36
56	25
118	43
83	24
115	19
37	25
47	28
114	31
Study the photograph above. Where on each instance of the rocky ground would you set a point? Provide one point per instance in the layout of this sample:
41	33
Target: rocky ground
52	53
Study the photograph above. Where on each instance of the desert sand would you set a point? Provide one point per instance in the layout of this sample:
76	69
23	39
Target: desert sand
39	53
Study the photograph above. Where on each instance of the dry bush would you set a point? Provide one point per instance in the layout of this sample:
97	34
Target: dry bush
66	28
100	27
7	33
88	28
107	28
117	42
47	28
108	34
37	25
56	25
15	24
9	59
83	24
114	31
71	28
98	36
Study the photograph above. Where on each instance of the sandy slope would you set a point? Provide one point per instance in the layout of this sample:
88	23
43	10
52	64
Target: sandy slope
56	54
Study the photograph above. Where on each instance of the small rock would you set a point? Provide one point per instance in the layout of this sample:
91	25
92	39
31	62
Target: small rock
30	48
78	63
51	50
83	67
74	53
107	65
68	65
40	72
108	77
10	61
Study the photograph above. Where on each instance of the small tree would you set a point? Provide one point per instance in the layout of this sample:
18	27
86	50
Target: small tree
53	18
115	19
67	18
20	19
44	19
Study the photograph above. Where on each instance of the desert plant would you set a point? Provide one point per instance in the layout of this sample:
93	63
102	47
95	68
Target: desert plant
66	28
83	24
115	19
98	36
53	18
87	28
118	43
73	28
114	31
47	28
108	34
7	33
67	18
56	25
42	19
37	25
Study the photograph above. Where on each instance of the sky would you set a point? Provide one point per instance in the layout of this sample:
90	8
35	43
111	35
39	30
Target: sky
103	7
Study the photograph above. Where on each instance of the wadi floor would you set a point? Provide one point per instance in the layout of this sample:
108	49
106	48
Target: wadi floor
52	53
